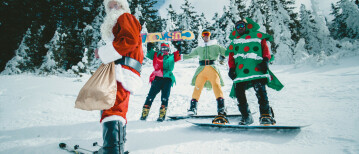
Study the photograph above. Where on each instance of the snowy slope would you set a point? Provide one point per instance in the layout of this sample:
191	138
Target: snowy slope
37	113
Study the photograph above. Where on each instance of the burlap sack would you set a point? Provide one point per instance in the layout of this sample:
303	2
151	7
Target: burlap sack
99	92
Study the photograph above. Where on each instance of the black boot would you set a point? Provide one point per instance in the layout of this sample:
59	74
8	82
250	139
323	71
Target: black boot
267	119
246	118
162	115
221	109
114	134
193	108
266	112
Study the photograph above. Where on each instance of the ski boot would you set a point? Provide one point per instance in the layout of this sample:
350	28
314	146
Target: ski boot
246	118
114	137
221	117
267	119
193	108
162	115
145	111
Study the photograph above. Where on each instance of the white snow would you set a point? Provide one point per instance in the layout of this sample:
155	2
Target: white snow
37	113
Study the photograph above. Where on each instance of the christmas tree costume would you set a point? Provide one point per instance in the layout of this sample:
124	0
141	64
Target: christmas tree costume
249	55
161	78
207	74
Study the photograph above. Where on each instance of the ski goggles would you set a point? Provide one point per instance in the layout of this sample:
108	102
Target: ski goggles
240	25
164	49
206	34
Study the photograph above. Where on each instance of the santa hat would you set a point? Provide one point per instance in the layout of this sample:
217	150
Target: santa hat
165	45
124	4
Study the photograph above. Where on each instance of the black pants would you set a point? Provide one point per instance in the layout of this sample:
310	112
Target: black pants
159	84
261	93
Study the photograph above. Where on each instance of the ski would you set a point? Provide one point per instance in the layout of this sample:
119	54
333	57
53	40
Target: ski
76	149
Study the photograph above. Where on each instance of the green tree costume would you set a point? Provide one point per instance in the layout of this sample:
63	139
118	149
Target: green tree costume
248	54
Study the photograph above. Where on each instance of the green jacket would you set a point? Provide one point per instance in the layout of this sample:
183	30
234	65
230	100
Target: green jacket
163	64
208	51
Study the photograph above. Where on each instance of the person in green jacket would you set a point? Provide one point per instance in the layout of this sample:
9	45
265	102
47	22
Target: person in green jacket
249	55
162	78
208	75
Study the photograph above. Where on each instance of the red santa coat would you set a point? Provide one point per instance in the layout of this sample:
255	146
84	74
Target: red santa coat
127	42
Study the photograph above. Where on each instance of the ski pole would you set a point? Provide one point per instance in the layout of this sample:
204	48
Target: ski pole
78	147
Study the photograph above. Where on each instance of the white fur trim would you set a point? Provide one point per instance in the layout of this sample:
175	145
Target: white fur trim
253	76
242	41
114	118
209	43
111	18
249	55
108	53
124	4
269	47
129	80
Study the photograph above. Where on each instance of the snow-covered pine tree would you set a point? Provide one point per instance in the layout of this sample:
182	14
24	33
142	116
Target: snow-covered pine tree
289	6
257	11
300	53
325	42
20	59
188	20
35	49
279	21
49	65
172	13
346	20
238	10
150	16
226	25
216	30
308	30
203	22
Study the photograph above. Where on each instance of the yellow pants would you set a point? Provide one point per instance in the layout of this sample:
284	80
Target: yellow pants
211	75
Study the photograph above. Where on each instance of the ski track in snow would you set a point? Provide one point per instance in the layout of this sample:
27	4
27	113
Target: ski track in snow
37	113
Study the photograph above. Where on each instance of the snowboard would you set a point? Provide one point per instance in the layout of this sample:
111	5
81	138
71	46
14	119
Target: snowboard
245	127
167	36
178	117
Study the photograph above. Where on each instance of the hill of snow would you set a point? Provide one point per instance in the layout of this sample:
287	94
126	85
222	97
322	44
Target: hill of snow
37	113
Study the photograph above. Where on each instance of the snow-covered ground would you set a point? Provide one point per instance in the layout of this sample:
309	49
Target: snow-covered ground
37	113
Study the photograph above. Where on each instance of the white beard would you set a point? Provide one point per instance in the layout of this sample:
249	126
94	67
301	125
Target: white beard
109	22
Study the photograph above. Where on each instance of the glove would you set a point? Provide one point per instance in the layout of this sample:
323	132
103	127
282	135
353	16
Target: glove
177	45
263	66
221	60
232	73
150	46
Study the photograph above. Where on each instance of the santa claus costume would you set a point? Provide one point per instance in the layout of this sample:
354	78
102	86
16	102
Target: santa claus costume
121	32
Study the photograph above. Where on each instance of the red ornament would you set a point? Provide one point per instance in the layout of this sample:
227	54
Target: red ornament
248	37
240	66
250	26
234	33
246	49
259	35
256	69
231	47
271	77
238	37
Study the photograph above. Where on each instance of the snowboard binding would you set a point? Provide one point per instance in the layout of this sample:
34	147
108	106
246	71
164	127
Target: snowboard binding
220	120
